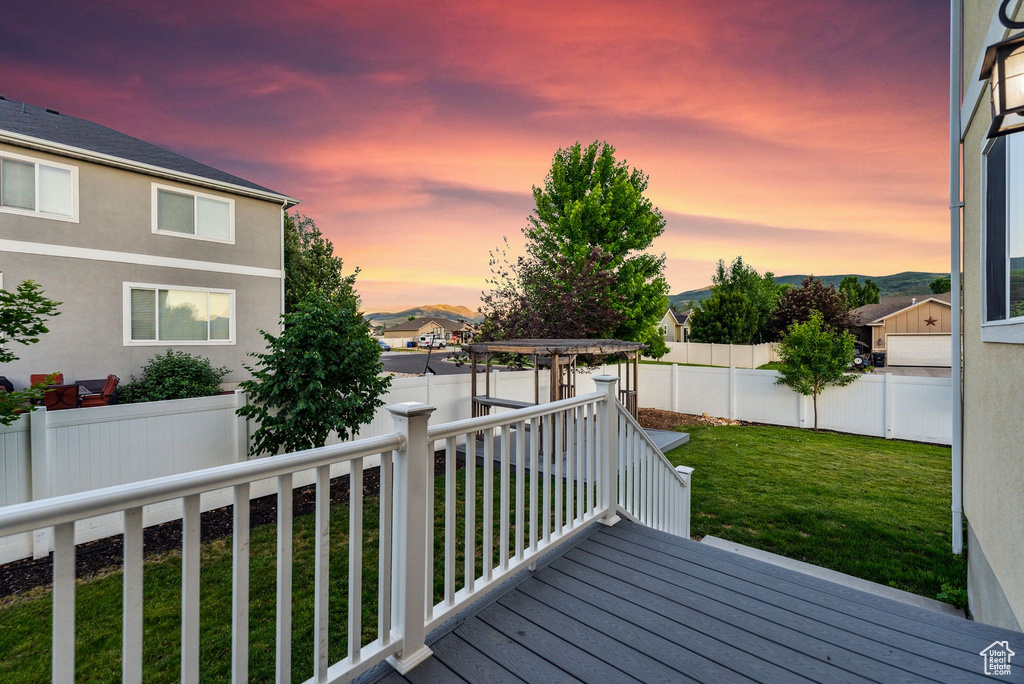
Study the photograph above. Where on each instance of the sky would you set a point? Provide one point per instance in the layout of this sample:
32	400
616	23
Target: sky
808	136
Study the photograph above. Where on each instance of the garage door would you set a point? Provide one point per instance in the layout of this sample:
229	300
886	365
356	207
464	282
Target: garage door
919	350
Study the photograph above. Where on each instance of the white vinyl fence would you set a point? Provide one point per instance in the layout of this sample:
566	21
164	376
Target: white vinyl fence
47	454
724	355
881	405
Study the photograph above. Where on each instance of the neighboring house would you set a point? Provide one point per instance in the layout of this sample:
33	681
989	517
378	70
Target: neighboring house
431	325
910	330
988	438
675	326
146	249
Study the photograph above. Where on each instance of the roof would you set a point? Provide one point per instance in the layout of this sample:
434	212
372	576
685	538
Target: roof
680	317
887	306
417	323
631	604
69	131
555	347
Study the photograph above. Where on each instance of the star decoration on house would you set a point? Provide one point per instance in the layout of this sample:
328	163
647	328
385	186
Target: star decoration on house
930	321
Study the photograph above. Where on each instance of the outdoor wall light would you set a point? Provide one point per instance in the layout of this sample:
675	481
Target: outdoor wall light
1004	65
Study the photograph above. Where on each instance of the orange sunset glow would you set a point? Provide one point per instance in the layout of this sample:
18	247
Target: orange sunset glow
808	136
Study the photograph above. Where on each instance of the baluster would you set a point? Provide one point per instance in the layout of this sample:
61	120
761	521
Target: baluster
520	480
488	512
449	517
559	479
548	434
321	587
621	472
131	619
355	558
534	476
240	586
386	502
591	454
503	504
428	580
470	529
284	579
63	652
581	418
190	590
570	476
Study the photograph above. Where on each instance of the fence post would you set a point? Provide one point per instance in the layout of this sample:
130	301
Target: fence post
732	391
413	467
685	472
42	474
608	429
675	388
241	429
887	405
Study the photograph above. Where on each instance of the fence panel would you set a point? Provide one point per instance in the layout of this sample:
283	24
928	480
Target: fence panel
760	400
921	409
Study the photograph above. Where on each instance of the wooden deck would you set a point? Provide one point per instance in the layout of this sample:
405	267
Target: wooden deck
630	604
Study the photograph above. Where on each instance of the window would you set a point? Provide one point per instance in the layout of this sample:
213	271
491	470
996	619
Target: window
161	314
191	214
38	188
1003	241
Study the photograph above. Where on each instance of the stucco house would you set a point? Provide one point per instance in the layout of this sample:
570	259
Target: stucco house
675	325
910	330
430	325
146	249
988	456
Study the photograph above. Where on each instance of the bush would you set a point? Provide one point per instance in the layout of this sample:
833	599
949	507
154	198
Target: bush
173	375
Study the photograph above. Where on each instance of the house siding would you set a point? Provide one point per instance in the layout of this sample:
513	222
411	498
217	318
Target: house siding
913	321
115	215
993	453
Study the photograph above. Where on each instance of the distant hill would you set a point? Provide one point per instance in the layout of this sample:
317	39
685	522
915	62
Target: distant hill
905	283
456	313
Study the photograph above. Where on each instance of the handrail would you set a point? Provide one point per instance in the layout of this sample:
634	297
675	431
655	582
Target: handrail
459	427
34	515
650	442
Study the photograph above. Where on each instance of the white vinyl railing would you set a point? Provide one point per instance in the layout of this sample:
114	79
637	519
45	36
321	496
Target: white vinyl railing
561	467
651	490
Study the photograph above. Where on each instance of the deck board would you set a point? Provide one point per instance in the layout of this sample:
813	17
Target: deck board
630	604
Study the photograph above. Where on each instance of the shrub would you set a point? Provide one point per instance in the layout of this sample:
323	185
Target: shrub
173	375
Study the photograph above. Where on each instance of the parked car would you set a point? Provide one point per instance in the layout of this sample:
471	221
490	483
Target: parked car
384	346
431	342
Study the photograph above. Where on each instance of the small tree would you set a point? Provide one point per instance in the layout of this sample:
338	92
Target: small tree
797	303
309	262
724	318
321	375
22	316
940	285
815	357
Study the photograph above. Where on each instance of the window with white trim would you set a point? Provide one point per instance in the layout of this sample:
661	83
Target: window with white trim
1003	236
34	187
159	314
185	213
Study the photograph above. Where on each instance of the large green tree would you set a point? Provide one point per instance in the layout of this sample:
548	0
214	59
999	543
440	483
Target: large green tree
724	318
761	290
858	295
309	262
815	356
23	315
940	285
591	200
320	375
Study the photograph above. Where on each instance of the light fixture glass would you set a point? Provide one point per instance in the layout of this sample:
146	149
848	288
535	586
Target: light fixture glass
1004	67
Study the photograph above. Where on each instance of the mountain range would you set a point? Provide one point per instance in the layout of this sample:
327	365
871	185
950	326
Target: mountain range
905	283
455	313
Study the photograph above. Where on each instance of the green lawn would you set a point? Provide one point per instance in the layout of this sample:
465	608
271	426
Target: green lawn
25	621
872	508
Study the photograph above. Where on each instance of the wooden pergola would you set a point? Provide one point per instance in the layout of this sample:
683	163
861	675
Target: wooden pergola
560	356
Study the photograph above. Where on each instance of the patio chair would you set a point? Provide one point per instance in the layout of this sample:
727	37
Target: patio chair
60	397
48	378
106	395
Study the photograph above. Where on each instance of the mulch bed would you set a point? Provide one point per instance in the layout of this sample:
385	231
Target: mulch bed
656	419
107	554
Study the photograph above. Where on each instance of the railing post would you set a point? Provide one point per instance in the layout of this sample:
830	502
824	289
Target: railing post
241	429
413	467
685	472
675	388
42	475
608	443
